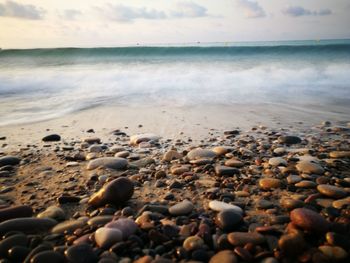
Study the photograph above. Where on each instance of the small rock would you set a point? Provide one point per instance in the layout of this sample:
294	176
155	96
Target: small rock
340	203
334	253
291	244
243	238
309	167
69	226
27	225
193	243
200	153
309	220
81	254
51	138
339	154
92	140
53	212
113	163
171	155
220	206
269	183
15	212
331	191
183	208
48	256
289	139
224	256
106	237
9	160
116	192
127	226
234	163
146	137
226	171
228	220
277	161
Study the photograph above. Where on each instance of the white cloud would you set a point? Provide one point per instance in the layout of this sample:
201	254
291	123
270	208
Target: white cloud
13	9
296	11
70	14
189	9
124	13
252	9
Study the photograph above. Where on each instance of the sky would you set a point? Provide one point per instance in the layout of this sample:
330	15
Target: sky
95	23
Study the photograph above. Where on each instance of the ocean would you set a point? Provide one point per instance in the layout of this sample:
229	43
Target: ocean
41	84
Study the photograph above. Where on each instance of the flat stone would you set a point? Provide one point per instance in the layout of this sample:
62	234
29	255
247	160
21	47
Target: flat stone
290	203
221	170
15	212
106	237
291	244
309	220
293	179
116	192
269	183
289	139
200	153
334	253
92	140
339	154
99	221
53	212
331	191
306	184
183	208
234	163
122	154
224	256
82	253
51	138
280	150
340	203
9	160
145	137
221	206
72	164
95	148
11	241
178	170
48	256
277	161
69	226
337	239
192	243
243	238
171	155
309	167
113	163
221	150
228	220
143	162
126	226
27	225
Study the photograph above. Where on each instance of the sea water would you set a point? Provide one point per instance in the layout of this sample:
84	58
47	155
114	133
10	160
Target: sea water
40	84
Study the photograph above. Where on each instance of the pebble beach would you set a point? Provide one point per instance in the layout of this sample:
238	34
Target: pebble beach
269	194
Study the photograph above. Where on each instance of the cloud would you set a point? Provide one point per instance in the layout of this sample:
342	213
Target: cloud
252	9
70	14
296	11
124	13
189	9
13	9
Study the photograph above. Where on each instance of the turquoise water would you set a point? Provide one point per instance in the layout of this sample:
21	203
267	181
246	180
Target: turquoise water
37	84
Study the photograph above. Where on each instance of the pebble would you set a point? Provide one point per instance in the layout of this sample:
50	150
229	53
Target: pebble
145	137
9	160
331	191
226	171
48	256
309	220
289	139
192	243
277	161
81	254
183	208
220	206
228	220
339	154
15	212
340	203
309	167
290	203
224	256
92	140
221	150
291	244
53	212
11	241
234	163
106	237
116	192
200	153
27	225
334	253
69	226
243	238
306	184
113	163
101	220
171	155
51	138
269	183
337	239
127	226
